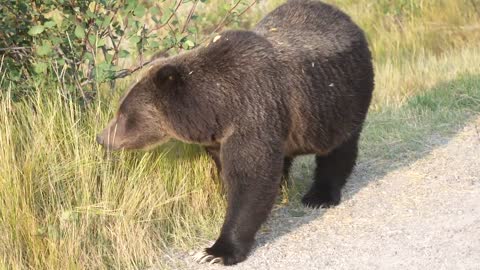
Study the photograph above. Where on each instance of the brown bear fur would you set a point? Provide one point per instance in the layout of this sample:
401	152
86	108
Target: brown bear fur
299	83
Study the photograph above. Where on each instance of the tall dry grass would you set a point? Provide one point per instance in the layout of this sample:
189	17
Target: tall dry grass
65	202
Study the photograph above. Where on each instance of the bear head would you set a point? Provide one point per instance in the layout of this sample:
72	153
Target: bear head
141	120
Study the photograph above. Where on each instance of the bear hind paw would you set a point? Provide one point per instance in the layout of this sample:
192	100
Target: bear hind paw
321	198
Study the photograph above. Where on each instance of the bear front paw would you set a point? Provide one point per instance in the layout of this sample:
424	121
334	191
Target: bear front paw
204	257
226	252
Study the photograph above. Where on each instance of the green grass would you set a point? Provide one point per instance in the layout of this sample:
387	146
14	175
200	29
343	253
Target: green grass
65	203
423	122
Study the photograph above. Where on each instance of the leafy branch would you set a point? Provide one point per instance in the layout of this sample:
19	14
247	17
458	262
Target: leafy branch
82	43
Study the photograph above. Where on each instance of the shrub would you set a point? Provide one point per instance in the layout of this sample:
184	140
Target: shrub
81	43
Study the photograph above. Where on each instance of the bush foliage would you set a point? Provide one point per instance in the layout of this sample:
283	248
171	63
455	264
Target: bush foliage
83	43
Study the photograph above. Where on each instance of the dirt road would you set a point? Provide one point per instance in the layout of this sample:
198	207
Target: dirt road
422	215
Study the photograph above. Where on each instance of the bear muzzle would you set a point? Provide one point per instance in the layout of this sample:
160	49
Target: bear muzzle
112	136
109	145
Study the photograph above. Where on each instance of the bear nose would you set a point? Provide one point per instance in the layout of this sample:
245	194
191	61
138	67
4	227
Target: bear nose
99	139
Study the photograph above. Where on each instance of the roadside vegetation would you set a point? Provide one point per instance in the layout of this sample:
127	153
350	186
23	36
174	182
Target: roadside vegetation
66	204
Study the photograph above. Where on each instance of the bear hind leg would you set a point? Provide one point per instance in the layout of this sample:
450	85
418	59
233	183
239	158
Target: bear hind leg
331	174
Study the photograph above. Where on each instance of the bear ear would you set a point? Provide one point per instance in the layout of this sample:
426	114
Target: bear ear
166	76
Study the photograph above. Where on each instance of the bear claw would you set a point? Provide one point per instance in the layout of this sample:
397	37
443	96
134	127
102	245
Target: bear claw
203	257
216	260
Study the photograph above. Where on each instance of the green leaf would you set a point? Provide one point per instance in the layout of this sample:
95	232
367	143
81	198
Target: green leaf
44	49
92	39
55	40
104	71
139	11
119	31
101	42
179	37
37	29
79	31
130	6
107	21
49	24
189	44
90	15
132	2
168	42
154	44
166	15
22	7
93	5
55	15
135	26
123	53
99	21
155	11
108	58
40	67
135	39
88	56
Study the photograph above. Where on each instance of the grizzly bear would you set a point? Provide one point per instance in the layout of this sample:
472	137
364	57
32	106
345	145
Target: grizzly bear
299	83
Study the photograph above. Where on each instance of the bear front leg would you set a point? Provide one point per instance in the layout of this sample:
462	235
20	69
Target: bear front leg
252	170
